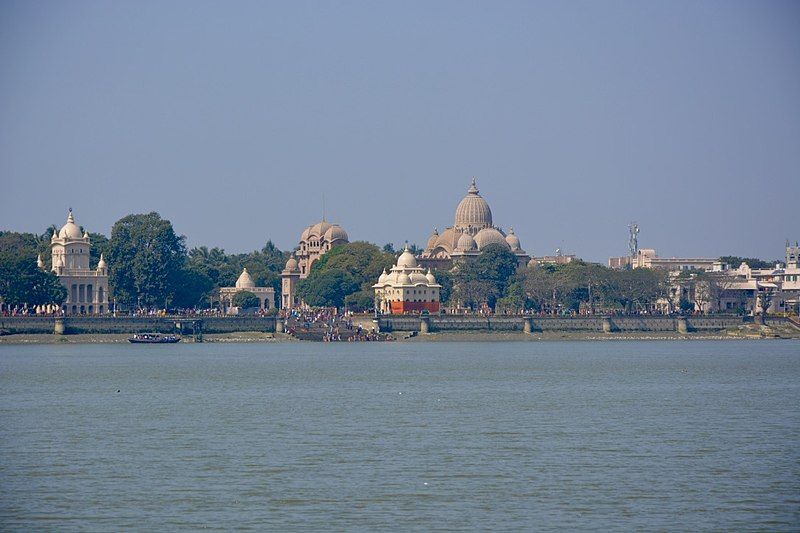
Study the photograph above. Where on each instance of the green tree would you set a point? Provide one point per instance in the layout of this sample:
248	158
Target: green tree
360	301
145	259
22	282
245	300
327	288
445	279
752	262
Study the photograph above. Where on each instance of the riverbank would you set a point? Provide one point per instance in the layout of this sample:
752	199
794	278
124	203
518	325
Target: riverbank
747	332
122	338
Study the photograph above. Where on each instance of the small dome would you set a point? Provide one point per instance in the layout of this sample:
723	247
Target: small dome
430	278
432	240
513	240
447	240
70	230
418	277
39	261
102	262
245	281
473	211
384	277
335	233
403	279
407	259
291	265
466	243
488	236
319	229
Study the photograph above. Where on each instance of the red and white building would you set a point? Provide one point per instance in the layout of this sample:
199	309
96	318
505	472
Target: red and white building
407	288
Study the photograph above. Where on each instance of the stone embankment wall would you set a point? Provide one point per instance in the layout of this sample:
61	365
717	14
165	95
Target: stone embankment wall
517	323
101	325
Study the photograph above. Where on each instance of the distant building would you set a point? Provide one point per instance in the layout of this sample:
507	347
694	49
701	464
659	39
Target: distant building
407	288
87	289
558	259
648	258
289	278
315	241
265	295
471	233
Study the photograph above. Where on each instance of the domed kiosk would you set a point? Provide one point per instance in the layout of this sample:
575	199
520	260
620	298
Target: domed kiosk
245	283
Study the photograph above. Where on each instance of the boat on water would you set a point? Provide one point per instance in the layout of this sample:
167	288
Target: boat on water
153	338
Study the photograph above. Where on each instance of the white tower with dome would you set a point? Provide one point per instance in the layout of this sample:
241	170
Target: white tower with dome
87	289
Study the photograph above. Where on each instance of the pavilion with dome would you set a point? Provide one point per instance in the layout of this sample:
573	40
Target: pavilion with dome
407	288
245	283
471	233
87	288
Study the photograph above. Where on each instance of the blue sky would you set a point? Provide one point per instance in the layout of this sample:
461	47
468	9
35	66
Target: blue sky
234	119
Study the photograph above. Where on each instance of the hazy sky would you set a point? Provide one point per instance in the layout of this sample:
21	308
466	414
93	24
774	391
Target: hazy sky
233	119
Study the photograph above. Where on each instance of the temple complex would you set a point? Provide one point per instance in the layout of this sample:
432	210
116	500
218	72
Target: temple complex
472	231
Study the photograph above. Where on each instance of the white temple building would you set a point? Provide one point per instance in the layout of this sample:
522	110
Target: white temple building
87	289
245	283
407	288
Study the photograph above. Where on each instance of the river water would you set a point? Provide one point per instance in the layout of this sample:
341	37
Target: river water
688	435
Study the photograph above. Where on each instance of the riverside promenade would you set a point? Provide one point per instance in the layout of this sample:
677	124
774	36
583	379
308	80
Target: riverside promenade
527	324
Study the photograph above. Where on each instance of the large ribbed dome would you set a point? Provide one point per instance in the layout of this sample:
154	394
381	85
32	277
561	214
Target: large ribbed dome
473	211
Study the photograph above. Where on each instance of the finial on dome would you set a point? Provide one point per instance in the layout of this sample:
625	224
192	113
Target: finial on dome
70	218
511	230
436	231
473	189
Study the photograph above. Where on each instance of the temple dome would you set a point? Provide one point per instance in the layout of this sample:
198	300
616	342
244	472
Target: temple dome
513	240
319	228
466	243
291	265
432	240
245	281
407	259
335	233
418	277
70	230
429	276
448	240
403	279
384	277
488	236
473	211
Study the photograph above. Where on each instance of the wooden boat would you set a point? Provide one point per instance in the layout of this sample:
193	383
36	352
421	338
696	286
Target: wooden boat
153	338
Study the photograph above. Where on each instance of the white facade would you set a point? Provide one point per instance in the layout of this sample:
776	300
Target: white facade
245	283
